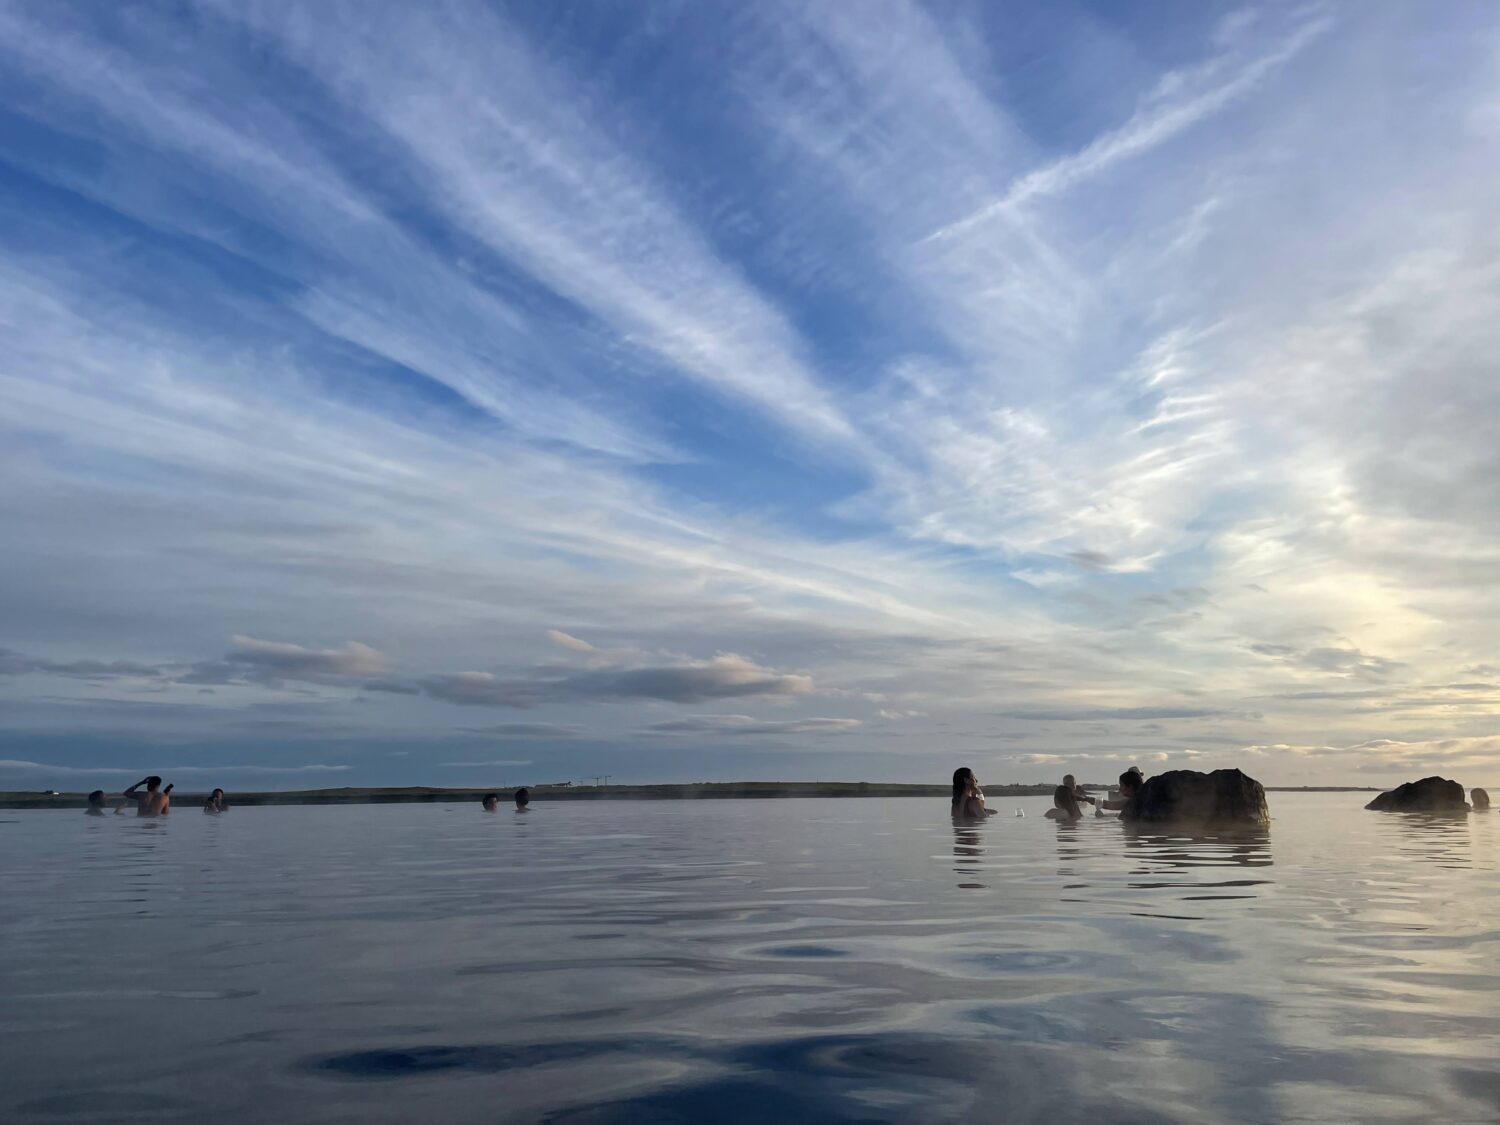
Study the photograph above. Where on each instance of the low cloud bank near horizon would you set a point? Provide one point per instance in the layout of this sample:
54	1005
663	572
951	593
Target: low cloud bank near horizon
12	765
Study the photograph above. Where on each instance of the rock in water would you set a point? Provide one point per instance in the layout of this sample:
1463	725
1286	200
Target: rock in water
1224	797
1431	794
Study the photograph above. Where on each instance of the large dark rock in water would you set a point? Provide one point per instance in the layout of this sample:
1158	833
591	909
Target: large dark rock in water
1224	797
1431	794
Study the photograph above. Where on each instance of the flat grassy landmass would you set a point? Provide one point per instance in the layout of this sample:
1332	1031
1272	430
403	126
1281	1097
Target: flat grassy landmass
709	790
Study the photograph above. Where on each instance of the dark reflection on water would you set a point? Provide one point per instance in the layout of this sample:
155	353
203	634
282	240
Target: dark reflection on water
968	850
842	961
1440	838
396	1062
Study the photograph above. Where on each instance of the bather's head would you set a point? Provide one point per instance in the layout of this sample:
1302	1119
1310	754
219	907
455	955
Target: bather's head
523	797
96	799
491	802
964	783
153	783
1131	782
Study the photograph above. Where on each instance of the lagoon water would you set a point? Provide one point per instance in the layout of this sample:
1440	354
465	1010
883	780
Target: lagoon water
745	961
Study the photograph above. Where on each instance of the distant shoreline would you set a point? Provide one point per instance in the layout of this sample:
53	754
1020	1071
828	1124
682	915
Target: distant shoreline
711	790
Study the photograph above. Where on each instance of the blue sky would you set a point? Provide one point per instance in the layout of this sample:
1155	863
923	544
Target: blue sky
485	394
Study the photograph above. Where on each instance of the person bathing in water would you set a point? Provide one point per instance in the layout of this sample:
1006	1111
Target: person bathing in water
1065	800
155	801
215	802
1130	784
968	798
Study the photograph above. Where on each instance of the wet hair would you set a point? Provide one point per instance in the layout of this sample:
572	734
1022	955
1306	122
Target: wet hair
216	793
153	782
96	799
488	797
523	797
1131	779
1064	798
962	778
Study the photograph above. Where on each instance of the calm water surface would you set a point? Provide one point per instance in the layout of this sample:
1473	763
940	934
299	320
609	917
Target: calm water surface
774	960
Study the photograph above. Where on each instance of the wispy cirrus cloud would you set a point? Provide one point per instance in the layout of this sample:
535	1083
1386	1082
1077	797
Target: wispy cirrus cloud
1388	754
1096	387
1099	758
252	659
727	676
22	766
279	659
538	732
1094	714
1341	660
1181	100
745	725
487	762
531	179
411	306
18	664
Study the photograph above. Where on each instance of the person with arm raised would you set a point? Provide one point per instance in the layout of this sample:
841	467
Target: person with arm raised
155	801
1130	784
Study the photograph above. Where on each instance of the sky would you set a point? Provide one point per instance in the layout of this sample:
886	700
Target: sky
466	394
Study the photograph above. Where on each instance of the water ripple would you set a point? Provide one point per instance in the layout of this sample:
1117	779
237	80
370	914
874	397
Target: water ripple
853	961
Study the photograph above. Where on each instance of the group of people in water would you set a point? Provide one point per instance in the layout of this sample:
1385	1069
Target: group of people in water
1068	798
522	797
149	799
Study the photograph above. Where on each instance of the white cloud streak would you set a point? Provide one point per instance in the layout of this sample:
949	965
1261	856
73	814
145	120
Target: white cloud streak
524	173
1165	441
21	766
747	726
1181	101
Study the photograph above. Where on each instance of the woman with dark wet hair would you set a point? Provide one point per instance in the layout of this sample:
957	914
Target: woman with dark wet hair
1065	800
968	798
96	803
215	802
